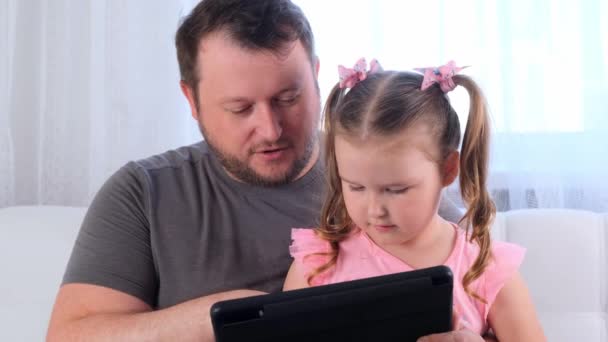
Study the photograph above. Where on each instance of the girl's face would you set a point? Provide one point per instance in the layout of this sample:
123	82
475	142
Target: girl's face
391	185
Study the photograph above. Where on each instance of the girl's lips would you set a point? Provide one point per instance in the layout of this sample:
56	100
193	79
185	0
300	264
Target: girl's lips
384	228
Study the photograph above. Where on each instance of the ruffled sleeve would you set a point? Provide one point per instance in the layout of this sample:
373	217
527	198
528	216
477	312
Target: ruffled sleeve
507	259
307	250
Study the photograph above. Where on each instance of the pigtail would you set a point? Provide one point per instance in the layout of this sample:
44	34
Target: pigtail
335	222
474	158
329	110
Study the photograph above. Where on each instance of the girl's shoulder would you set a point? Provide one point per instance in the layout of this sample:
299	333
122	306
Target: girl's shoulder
305	241
505	255
505	260
310	252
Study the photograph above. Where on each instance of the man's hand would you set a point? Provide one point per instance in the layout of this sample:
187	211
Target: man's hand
463	335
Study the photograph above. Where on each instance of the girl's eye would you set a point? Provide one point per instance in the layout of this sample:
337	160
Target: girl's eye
355	188
396	191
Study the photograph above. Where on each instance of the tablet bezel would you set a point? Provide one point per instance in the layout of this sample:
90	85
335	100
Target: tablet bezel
331	308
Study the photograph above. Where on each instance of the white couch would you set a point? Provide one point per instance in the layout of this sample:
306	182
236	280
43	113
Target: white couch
35	244
565	267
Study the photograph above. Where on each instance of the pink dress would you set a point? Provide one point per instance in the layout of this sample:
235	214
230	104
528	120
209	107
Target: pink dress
359	257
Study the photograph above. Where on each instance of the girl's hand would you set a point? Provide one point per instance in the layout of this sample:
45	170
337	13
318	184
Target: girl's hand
462	335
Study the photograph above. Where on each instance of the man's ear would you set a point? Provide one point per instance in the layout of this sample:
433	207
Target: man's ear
191	97
317	66
450	168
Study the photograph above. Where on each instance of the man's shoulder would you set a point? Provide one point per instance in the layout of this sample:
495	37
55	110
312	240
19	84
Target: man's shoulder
185	156
185	164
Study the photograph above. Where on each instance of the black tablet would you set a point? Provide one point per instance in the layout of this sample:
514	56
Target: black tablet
396	307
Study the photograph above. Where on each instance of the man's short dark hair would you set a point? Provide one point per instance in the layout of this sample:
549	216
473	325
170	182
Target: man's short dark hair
253	24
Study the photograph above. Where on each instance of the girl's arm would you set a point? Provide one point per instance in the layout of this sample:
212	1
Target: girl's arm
295	279
512	315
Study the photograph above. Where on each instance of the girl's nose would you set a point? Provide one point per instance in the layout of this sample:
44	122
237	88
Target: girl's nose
376	207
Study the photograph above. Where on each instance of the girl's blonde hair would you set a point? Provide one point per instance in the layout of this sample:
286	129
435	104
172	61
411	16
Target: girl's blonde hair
386	103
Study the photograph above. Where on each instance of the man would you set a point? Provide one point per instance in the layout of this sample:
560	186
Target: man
168	236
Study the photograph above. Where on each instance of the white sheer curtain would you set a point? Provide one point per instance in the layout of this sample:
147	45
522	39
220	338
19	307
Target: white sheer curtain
542	63
87	85
84	87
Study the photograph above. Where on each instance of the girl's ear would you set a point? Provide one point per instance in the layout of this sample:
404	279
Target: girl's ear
450	168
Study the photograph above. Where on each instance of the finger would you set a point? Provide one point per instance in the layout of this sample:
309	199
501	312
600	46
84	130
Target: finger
443	337
457	323
464	335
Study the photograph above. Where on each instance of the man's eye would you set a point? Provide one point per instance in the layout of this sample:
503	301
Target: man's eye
286	100
239	110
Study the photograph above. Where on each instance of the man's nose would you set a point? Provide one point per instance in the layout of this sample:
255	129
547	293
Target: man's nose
268	123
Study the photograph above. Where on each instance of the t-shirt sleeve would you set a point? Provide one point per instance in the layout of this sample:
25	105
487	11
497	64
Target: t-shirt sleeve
506	260
113	247
308	251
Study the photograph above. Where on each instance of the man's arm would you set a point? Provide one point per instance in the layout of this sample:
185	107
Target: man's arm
96	313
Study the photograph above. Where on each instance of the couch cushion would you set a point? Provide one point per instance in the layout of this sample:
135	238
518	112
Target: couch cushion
574	326
34	249
565	268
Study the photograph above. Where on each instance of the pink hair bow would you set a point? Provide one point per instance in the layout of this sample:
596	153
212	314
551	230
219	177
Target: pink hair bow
350	77
441	75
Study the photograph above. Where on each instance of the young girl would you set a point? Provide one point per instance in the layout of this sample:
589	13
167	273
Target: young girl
392	146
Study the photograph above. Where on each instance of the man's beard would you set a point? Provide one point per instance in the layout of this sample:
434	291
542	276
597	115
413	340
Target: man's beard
243	172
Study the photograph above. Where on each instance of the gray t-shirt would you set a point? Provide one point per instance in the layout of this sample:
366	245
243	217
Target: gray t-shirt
175	227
